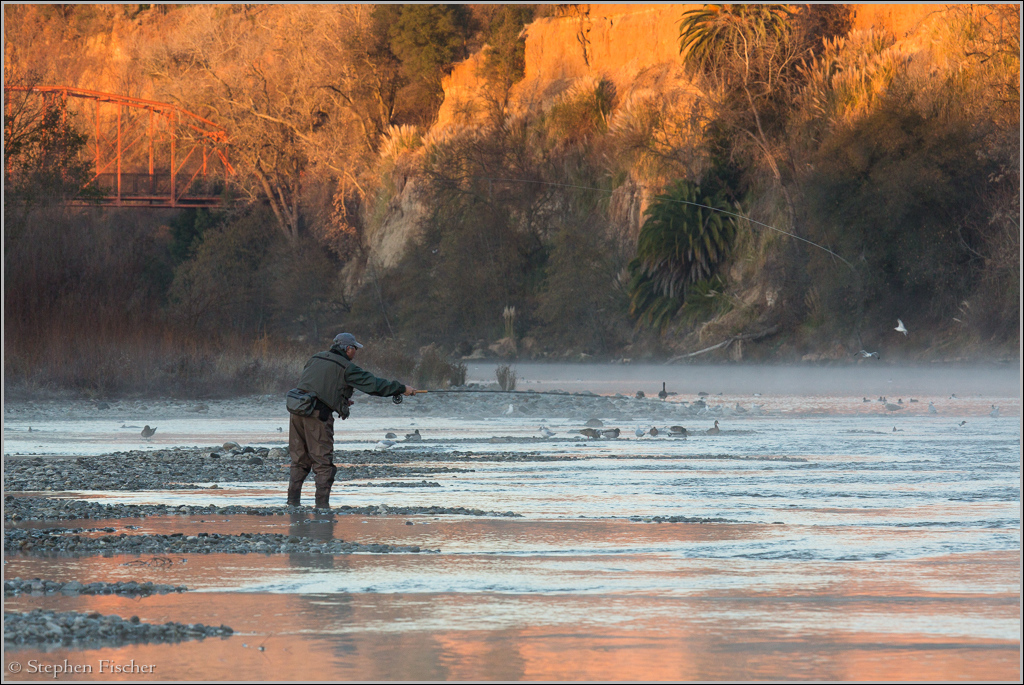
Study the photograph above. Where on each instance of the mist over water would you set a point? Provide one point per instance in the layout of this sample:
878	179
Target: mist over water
870	379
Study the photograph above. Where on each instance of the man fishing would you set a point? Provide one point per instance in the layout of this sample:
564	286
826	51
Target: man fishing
325	387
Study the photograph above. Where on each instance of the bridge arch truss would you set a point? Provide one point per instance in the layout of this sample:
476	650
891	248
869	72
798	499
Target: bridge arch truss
143	153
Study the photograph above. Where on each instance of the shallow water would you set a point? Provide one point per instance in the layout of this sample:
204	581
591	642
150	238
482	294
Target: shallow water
866	554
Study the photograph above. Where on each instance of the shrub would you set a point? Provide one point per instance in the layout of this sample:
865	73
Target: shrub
507	377
435	371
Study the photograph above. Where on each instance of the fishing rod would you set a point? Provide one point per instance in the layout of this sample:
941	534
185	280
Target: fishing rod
685	202
397	399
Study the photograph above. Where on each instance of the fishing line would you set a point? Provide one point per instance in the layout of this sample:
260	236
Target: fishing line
686	202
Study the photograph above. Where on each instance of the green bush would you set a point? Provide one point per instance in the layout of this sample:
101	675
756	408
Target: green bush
683	242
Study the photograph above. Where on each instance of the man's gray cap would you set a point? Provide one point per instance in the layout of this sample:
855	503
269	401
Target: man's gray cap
344	340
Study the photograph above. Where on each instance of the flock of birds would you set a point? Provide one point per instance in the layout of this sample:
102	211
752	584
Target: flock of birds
595	429
613	433
592	432
898	405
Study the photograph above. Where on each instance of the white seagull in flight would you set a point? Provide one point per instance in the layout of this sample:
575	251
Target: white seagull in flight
900	327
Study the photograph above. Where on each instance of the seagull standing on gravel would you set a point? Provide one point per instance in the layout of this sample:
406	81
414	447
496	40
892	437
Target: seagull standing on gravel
546	432
900	328
995	412
639	432
148	432
932	409
384	444
509	410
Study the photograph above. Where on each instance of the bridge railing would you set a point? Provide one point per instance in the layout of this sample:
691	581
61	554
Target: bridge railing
154	186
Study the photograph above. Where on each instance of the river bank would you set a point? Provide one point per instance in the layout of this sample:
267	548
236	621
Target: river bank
825	537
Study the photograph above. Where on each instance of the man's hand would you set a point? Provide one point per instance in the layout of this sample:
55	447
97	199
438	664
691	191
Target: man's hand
409	390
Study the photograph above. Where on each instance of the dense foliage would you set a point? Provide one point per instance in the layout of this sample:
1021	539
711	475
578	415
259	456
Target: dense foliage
880	180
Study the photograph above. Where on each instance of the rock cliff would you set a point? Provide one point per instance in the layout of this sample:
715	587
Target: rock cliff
635	47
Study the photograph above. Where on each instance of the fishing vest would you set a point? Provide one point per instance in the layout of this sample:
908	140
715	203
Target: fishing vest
324	374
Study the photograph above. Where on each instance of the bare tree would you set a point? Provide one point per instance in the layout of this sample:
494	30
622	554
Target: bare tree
271	75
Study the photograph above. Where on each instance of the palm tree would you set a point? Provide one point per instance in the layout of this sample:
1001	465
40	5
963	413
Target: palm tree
714	33
684	239
749	54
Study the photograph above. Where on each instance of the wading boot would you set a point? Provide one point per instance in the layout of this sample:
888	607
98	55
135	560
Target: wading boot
294	494
323	501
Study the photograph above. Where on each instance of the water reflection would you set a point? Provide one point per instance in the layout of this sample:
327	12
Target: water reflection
419	637
319	527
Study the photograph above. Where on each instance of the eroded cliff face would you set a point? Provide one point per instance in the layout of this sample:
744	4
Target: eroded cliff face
634	47
613	42
621	42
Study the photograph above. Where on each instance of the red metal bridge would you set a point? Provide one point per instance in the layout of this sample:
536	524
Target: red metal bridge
146	153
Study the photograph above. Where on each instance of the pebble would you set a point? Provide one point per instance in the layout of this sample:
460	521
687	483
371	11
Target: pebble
94	629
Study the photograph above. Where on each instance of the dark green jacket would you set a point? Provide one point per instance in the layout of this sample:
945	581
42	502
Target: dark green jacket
333	377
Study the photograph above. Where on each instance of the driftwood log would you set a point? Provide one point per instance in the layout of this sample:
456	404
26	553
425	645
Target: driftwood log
725	344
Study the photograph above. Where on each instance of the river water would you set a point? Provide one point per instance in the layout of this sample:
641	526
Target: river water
848	542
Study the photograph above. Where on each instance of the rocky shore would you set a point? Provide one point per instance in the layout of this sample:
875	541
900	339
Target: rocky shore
57	541
27	508
182	469
679	519
39	587
93	629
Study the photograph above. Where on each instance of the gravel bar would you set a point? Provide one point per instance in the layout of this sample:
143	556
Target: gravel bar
184	468
62	542
36	586
679	519
80	630
28	508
